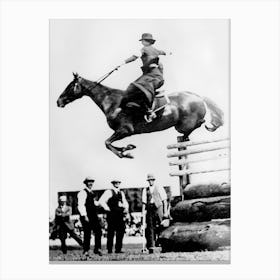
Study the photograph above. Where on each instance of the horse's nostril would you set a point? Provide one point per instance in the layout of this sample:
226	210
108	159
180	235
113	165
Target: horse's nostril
59	103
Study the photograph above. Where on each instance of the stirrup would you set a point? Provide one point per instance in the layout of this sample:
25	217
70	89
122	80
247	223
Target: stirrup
150	117
147	119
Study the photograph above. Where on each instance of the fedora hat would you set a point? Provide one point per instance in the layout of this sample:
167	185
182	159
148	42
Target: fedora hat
115	181
148	37
88	179
150	177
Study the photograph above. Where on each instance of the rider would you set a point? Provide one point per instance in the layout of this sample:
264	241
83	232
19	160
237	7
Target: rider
152	77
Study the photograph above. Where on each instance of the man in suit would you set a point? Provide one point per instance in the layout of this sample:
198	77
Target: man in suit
88	207
115	204
154	199
63	225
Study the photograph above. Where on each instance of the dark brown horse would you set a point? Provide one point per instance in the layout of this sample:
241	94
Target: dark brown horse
185	111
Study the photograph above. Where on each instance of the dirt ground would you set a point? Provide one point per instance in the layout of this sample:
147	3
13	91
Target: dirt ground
132	253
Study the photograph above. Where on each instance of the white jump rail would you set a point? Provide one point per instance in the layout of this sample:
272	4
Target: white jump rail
196	147
189	171
193	143
211	147
206	158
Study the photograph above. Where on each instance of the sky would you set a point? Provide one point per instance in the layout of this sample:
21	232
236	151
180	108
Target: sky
199	63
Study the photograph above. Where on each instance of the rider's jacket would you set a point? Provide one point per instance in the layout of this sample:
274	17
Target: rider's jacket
150	57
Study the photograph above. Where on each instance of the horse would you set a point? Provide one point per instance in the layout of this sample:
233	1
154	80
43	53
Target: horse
185	111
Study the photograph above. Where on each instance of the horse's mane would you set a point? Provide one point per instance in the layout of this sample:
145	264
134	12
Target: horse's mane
91	85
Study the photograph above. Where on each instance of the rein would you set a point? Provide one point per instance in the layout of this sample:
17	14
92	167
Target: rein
102	78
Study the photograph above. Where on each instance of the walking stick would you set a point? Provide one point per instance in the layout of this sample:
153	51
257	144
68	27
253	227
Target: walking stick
144	249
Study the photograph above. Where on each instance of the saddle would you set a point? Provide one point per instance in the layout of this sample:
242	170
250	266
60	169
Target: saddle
160	101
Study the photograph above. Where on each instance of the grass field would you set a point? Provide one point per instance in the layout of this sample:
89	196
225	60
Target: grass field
132	252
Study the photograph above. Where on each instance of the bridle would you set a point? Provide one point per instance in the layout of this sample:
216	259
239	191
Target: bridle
98	81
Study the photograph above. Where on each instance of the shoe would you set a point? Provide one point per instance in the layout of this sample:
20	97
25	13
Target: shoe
151	251
85	256
86	253
119	252
98	252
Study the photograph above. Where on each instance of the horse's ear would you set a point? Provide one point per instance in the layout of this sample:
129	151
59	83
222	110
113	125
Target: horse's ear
76	75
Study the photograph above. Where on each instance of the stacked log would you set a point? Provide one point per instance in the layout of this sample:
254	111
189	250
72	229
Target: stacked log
202	209
201	221
206	190
188	237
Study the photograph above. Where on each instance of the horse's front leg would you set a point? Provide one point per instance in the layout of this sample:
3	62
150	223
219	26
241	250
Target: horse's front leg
118	135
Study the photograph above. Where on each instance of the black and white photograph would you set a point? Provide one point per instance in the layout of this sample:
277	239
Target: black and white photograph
139	140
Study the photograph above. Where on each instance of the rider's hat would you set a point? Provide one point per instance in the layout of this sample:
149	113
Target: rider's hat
150	177
147	37
88	179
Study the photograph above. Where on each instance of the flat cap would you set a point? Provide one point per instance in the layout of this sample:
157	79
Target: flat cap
88	179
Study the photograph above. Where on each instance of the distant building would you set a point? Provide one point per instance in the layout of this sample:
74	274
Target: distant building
133	196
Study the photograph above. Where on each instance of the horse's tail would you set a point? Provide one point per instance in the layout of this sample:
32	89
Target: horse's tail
217	115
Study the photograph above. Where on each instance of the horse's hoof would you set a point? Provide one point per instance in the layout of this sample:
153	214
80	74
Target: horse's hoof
130	147
128	155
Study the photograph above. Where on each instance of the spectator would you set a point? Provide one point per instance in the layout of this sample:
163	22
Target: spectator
63	224
114	202
154	199
87	206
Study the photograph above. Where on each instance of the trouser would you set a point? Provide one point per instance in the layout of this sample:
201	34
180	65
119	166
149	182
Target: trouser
76	237
63	235
88	227
63	245
116	225
153	225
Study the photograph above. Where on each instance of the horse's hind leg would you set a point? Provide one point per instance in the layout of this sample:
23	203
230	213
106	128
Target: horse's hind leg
109	146
119	151
188	125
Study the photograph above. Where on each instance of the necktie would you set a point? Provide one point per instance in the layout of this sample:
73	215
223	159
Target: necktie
149	196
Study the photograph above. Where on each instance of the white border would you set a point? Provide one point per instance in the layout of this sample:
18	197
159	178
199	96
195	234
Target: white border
255	138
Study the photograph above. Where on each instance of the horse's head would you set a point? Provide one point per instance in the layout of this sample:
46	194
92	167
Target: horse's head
72	92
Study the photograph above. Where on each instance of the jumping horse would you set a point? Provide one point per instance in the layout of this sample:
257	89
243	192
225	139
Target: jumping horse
185	111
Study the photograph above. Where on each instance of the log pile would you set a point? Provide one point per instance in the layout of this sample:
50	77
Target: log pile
202	209
188	237
201	221
206	190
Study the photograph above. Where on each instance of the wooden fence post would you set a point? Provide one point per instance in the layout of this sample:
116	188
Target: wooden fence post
183	180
